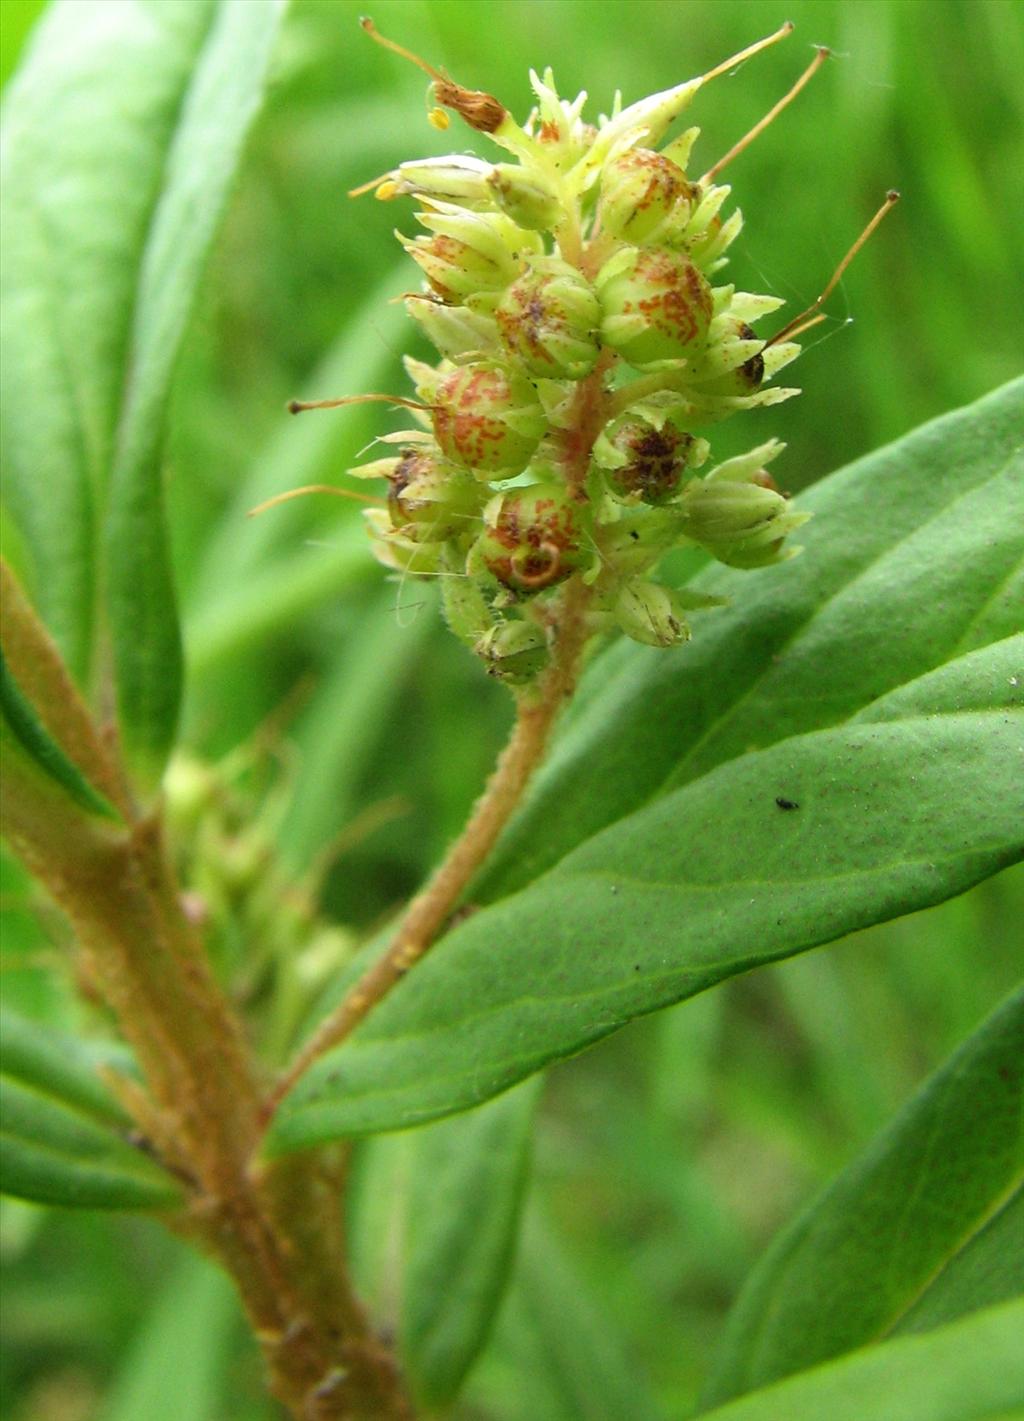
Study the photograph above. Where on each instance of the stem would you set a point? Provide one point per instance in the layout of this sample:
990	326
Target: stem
431	908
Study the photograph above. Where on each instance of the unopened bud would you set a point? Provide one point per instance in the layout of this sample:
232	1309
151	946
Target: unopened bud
651	614
656	305
531	538
457	332
526	195
515	652
549	321
457	178
738	515
645	197
488	419
395	550
470	252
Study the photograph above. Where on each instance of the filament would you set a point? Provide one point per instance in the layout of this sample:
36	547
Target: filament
781	33
772	114
313	488
891	199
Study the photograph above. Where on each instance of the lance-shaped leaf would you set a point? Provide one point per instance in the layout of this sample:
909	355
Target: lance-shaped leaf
972	1370
767	855
122	132
917	1229
433	1226
63	1138
198	165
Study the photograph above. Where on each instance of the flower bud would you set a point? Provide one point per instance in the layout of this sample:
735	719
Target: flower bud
646	463
743	377
457	333
645	197
526	195
651	614
549	321
741	520
656	305
470	252
515	652
488	419
429	501
531	538
458	178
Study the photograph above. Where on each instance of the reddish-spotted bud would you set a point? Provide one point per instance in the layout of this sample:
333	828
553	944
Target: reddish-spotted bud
656	306
645	463
488	419
430	501
549	321
531	538
645	198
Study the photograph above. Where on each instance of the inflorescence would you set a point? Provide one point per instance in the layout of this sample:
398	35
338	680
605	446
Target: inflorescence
585	348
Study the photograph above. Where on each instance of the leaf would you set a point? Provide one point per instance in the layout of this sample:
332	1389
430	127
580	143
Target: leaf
902	1225
122	131
177	1368
217	111
908	562
21	721
898	809
428	1257
54	1151
567	1360
972	1370
61	1066
87	121
466	1185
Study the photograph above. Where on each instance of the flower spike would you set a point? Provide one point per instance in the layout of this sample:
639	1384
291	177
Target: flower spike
585	352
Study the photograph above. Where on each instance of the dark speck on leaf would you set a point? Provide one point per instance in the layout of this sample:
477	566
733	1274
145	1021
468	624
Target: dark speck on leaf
786	803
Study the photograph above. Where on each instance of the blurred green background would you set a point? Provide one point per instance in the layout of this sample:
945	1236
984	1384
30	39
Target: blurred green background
332	709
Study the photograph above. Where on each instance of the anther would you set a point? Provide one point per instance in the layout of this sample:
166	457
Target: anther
801	322
481	111
772	114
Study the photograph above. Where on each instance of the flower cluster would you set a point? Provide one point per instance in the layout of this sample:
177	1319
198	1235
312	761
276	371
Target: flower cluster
585	341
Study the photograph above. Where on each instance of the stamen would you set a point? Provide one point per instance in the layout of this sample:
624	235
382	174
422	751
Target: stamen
369	187
481	111
772	114
300	406
781	33
314	488
891	199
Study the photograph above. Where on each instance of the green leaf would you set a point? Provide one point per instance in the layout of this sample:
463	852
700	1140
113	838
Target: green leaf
465	1191
177	1368
21	721
122	132
972	1370
199	164
898	809
60	1066
909	561
87	122
668	857
53	1154
567	1360
430	1260
916	1232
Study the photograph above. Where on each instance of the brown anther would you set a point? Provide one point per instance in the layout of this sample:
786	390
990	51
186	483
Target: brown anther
481	111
